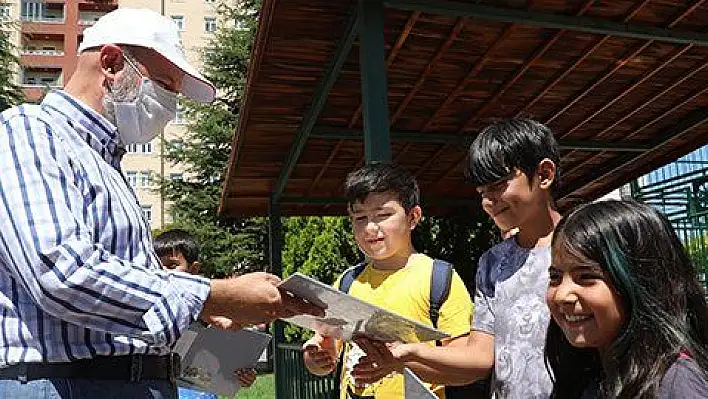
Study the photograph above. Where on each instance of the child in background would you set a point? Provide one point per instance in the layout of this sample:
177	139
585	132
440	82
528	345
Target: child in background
629	316
384	205
178	251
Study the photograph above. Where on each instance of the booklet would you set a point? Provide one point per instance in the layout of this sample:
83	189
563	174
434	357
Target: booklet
415	388
211	355
346	316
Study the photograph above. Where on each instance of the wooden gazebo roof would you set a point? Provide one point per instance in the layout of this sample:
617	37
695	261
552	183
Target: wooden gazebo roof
622	84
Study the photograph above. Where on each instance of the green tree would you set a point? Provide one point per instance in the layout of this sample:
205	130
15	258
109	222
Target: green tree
10	93
228	246
320	247
460	238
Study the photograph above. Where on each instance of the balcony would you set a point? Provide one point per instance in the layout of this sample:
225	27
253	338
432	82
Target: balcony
41	77
42	52
88	18
46	19
42	12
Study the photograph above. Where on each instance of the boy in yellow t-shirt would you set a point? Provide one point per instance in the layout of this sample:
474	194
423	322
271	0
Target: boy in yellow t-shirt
383	203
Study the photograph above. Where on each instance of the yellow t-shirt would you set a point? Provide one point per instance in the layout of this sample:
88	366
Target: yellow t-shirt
406	291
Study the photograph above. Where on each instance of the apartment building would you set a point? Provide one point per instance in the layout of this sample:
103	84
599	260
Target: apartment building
47	34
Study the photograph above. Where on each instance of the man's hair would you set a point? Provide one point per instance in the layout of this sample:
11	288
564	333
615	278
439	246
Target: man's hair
509	144
177	240
382	178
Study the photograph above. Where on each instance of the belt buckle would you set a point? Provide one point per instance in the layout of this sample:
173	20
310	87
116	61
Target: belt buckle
174	367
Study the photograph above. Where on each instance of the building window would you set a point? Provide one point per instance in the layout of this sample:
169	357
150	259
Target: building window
177	144
241	25
179	21
33	77
146	148
144	180
5	11
147	212
176	176
209	24
132	178
179	114
37	10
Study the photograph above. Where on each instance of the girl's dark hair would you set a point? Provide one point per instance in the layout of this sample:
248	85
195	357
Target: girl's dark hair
660	293
509	144
381	178
178	240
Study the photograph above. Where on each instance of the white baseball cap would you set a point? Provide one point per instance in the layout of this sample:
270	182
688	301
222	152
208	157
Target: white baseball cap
147	28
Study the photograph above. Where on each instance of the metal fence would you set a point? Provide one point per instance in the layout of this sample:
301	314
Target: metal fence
683	199
293	381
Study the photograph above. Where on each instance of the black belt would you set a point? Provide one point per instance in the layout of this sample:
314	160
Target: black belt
352	395
127	368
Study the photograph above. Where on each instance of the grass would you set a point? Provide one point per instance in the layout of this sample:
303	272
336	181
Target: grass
263	388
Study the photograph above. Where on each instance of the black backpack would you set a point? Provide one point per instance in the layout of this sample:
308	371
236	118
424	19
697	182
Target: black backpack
440	280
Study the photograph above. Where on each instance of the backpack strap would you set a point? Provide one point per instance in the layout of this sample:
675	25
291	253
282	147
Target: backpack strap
349	276
440	281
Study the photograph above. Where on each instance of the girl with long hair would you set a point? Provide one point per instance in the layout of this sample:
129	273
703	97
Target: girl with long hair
629	316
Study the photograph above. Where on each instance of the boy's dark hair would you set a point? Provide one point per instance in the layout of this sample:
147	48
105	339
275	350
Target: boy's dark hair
177	240
508	144
381	178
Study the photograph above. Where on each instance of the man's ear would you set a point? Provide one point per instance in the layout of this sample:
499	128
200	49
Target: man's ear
193	268
414	216
546	173
111	58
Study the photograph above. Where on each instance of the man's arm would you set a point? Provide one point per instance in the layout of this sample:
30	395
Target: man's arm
47	246
249	299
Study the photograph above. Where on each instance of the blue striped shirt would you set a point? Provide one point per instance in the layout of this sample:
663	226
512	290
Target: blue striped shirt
79	277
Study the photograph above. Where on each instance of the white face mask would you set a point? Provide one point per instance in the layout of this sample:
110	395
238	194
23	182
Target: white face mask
140	120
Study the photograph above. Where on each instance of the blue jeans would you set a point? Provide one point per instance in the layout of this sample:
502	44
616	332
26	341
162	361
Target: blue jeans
72	388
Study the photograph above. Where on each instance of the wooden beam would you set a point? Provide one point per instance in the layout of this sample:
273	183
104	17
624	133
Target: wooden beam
651	122
690	122
374	85
410	23
412	19
578	61
321	92
619	65
540	52
450	139
552	21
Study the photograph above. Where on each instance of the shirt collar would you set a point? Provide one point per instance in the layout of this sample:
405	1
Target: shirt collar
92	127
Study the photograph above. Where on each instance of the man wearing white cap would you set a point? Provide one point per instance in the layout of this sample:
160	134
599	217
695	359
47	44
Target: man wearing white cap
87	310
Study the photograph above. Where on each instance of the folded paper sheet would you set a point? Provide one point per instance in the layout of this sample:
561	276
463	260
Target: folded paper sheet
414	387
346	315
211	355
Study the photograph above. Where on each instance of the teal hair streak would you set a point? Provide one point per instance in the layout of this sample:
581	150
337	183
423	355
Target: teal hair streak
638	303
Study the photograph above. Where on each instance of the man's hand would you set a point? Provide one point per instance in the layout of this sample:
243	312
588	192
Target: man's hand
251	299
320	355
378	362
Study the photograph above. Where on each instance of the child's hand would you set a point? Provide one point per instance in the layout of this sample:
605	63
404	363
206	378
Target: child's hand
378	362
320	355
246	377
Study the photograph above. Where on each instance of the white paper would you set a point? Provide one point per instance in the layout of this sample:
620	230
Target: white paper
214	355
414	387
346	315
